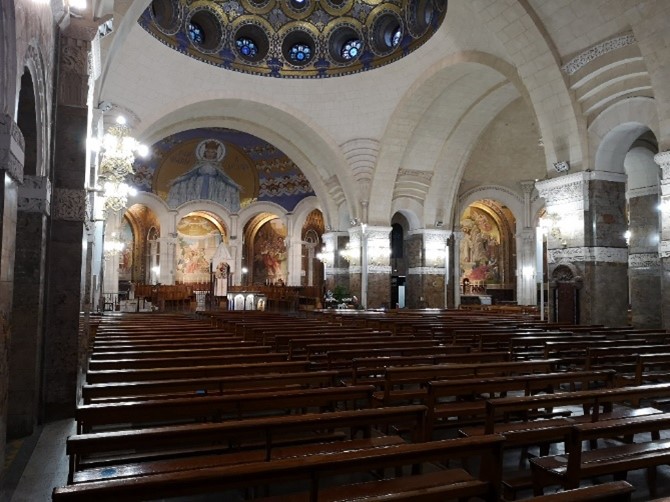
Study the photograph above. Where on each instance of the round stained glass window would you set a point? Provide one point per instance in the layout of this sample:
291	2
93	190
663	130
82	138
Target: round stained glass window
397	37
300	53
352	49
195	33
247	47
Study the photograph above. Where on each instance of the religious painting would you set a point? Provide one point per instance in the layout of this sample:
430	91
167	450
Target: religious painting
480	247
232	168
197	240
270	254
127	239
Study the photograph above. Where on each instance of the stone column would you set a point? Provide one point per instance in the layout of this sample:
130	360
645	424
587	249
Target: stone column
455	262
663	160
12	148
28	305
336	267
428	268
586	243
65	344
644	267
526	260
294	252
375	266
311	253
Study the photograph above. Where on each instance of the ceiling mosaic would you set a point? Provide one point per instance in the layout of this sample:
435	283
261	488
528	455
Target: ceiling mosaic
294	38
230	167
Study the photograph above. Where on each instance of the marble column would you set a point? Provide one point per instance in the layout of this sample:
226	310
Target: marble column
644	267
65	343
427	268
455	263
12	148
586	244
663	160
336	267
28	305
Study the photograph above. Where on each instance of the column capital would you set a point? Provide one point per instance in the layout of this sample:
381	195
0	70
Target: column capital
663	160
69	204
527	187
12	148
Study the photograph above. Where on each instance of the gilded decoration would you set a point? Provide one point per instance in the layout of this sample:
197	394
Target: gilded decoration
294	38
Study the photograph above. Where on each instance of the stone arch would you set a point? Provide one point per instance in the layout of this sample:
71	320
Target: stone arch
499	193
302	211
481	76
248	213
410	209
206	206
316	154
166	216
614	131
35	65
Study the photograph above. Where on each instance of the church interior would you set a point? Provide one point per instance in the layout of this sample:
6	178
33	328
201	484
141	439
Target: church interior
314	158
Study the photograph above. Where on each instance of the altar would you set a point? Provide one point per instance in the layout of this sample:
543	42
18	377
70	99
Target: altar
246	300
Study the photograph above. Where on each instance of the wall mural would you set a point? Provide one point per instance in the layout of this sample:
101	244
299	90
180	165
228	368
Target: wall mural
197	240
127	238
270	257
231	167
480	247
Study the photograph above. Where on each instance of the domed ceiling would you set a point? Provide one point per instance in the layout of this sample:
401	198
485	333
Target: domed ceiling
294	38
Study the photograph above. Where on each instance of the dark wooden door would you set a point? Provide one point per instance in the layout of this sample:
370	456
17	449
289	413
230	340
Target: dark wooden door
565	306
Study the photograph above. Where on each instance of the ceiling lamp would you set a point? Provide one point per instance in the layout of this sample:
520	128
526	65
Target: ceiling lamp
295	38
118	150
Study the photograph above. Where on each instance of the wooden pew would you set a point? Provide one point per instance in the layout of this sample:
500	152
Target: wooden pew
216	408
614	491
444	484
184	361
573	466
130	391
109	376
465	399
371	369
163	449
401	384
178	352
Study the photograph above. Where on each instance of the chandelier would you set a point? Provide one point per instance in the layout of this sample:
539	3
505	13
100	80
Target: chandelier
118	151
113	246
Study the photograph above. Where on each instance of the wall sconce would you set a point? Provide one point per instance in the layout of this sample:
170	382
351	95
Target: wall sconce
118	150
562	166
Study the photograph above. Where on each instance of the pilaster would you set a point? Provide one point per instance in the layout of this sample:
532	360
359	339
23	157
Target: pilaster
586	244
12	155
68	266
427	275
663	160
28	304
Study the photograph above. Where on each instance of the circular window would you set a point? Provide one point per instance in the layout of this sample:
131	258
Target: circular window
204	30
251	42
352	49
300	53
387	33
165	15
195	33
345	44
420	16
298	48
247	47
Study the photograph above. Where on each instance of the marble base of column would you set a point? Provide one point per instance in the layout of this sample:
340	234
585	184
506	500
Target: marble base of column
645	298
604	298
379	289
27	317
427	287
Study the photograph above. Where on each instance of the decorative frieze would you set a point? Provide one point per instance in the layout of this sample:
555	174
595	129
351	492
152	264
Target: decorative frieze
581	60
426	271
570	192
74	68
633	193
663	160
588	254
12	148
644	261
35	195
69	204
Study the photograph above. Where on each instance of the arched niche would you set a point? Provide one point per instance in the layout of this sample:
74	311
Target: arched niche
487	250
265	253
311	269
137	225
199	233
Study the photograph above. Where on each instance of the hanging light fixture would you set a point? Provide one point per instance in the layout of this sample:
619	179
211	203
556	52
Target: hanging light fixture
118	151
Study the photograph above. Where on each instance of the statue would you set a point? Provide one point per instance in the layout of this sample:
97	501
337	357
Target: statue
222	265
206	180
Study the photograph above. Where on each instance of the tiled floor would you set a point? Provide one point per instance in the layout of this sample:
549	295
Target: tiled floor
39	465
